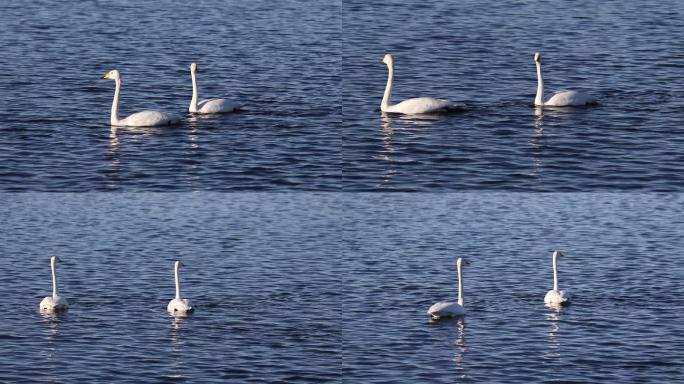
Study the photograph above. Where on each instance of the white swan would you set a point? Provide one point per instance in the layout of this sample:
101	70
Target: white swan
449	308
178	305
562	98
138	119
209	105
555	296
416	105
54	303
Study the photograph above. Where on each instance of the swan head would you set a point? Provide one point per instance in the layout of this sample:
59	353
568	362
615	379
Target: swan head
112	75
193	67
462	262
537	57
178	264
54	260
557	254
388	59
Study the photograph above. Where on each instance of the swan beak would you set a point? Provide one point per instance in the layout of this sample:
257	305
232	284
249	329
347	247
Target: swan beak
106	76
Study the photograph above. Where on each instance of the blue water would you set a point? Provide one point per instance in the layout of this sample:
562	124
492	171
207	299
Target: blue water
628	54
261	270
622	264
279	57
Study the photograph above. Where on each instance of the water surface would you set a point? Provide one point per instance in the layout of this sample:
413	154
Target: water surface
261	270
628	54
280	58
622	263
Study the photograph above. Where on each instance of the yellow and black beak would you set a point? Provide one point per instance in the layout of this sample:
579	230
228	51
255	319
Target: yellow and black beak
106	76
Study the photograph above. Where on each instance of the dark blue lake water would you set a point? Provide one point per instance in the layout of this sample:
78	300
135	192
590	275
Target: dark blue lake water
262	271
280	58
628	54
622	263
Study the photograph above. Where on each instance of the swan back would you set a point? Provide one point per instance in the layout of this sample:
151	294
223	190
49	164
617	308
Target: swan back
569	99
149	119
446	309
179	306
420	105
554	297
54	304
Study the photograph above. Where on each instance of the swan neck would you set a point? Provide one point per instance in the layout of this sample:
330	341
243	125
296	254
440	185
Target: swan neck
115	104
539	100
388	89
193	101
555	274
177	281
54	279
460	286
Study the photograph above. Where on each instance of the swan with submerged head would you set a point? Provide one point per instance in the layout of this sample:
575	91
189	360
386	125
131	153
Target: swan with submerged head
179	306
54	303
556	296
209	105
445	309
138	119
418	105
562	98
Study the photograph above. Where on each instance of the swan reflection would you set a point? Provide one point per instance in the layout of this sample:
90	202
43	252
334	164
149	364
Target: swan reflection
411	127
461	347
537	141
554	319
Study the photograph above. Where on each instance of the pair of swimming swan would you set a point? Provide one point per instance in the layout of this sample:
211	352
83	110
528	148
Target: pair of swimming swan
57	304
446	309
421	105
155	118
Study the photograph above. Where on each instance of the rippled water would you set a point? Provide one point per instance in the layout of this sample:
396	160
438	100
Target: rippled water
628	54
280	58
261	270
622	263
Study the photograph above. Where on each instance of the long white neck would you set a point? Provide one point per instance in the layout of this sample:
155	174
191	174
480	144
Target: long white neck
460	285
54	278
555	272
539	100
115	104
177	266
388	89
193	101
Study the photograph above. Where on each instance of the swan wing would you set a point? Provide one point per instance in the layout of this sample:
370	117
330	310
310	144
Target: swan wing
570	98
217	106
149	119
446	309
421	105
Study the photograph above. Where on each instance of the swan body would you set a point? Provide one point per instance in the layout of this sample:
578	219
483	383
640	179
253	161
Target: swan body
559	99
179	306
557	296
418	105
54	303
210	105
445	309
138	119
